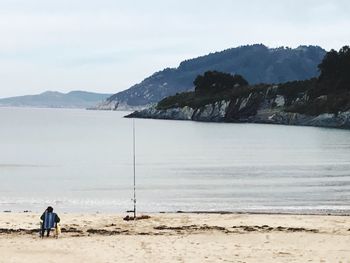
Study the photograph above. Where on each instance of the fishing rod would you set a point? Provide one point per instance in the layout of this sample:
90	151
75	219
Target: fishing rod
134	164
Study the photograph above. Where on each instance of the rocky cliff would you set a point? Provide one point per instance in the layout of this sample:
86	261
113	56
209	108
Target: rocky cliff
263	106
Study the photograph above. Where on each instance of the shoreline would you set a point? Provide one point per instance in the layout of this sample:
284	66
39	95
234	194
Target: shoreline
328	213
218	212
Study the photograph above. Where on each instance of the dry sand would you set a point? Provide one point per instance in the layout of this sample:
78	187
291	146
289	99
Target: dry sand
178	238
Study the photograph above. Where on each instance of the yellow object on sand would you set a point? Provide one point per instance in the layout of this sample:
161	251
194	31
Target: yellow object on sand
57	230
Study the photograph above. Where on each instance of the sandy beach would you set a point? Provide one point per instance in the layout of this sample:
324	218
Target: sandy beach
178	238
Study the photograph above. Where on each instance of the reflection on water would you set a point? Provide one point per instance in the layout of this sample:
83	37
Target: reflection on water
82	160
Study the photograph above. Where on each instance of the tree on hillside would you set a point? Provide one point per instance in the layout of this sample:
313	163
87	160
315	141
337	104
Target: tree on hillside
214	81
335	71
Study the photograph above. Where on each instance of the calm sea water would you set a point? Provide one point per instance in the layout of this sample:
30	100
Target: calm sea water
79	160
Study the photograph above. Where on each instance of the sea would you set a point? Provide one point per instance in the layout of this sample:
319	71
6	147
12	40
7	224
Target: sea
82	161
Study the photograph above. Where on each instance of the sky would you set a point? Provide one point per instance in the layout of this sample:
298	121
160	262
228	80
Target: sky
107	46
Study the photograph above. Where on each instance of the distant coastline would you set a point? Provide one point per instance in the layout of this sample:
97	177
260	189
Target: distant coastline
54	99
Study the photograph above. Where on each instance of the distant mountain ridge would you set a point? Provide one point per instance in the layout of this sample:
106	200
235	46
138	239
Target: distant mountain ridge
258	63
54	99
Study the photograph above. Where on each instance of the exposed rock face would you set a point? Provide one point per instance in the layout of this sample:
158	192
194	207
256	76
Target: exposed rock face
213	112
256	107
184	113
116	105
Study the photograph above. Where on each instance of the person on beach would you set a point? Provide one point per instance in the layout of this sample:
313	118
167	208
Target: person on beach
49	221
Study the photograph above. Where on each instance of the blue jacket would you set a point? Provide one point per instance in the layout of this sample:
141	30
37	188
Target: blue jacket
49	220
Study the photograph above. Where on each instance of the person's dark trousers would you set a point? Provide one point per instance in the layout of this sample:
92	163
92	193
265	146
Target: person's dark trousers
43	231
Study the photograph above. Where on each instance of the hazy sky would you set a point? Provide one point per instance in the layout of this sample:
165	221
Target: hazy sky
109	45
